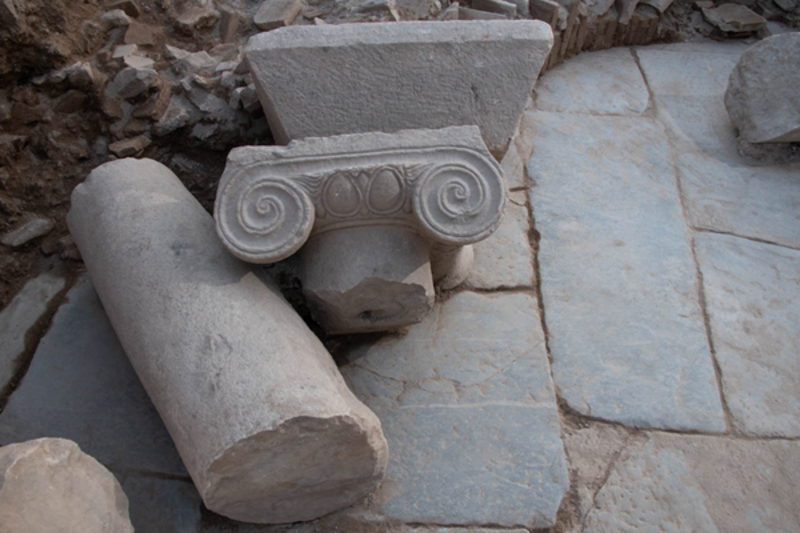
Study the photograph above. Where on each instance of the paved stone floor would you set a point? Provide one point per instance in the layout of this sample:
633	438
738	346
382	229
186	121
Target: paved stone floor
623	357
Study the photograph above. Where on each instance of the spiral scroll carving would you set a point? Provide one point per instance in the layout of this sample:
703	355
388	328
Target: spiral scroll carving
456	204
264	220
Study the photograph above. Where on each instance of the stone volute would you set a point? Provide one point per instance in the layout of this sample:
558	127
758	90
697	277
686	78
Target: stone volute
377	218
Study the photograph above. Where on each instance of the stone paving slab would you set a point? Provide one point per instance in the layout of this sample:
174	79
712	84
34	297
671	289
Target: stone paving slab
607	82
468	410
505	259
80	386
620	294
752	293
726	195
19	316
688	82
689	483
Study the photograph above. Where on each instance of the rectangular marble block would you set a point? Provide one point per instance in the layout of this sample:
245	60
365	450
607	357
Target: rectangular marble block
318	81
467	404
618	280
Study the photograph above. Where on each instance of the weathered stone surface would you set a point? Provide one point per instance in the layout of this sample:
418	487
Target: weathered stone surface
131	82
467	402
724	194
697	483
380	217
320	81
271	436
734	18
50	485
607	82
80	386
465	13
276	13
505	259
591	451
762	97
31	229
752	293
129	147
20	315
502	7
618	279
626	9
518	153
692	105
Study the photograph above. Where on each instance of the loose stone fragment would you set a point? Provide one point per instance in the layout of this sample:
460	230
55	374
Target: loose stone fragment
258	411
465	13
50	485
131	82
502	7
473	73
762	97
385	215
734	18
31	229
21	315
276	13
129	147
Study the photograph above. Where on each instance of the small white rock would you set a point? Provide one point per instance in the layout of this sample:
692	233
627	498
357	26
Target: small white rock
33	228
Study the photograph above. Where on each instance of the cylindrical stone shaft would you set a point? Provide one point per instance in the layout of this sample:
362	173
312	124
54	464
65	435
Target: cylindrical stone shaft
258	411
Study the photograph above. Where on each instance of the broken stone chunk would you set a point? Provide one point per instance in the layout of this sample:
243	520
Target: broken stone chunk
502	7
128	6
276	13
258	410
486	83
196	18
32	229
734	18
129	147
50	485
116	18
141	35
465	13
71	102
763	98
135	61
131	82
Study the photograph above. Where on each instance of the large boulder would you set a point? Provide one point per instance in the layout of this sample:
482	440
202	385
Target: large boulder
50	485
763	96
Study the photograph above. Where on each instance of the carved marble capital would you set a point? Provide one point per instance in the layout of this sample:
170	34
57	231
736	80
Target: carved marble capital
267	208
383	216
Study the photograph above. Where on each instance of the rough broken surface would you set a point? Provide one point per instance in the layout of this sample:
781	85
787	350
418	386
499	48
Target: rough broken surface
607	82
467	403
700	483
618	280
752	293
762	97
350	78
268	436
50	485
21	315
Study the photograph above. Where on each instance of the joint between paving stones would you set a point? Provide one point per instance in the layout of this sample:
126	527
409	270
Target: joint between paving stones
32	338
753	239
650	111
